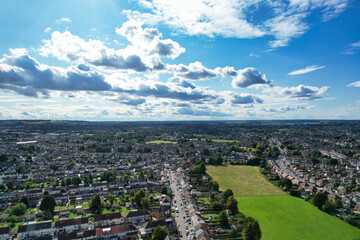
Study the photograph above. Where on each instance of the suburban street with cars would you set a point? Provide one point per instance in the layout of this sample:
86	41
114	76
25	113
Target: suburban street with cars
179	205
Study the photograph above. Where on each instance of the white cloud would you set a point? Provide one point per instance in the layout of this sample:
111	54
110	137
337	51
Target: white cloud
63	20
47	29
247	77
354	84
145	51
302	92
201	17
306	70
71	48
352	48
254	55
245	98
194	71
230	18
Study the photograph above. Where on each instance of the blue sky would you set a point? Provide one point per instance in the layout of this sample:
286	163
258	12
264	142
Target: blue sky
179	60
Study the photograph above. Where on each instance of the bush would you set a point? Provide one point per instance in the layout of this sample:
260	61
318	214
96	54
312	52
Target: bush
295	193
19	209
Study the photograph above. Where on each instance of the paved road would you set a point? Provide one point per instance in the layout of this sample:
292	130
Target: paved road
179	217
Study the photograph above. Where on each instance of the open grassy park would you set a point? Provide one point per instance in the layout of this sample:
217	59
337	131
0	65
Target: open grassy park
281	216
243	180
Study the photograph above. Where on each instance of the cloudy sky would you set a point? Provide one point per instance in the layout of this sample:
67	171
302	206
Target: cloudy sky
179	60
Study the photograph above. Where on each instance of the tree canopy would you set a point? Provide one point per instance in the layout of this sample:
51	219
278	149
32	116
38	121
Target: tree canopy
95	204
159	233
223	218
251	229
232	204
319	199
48	203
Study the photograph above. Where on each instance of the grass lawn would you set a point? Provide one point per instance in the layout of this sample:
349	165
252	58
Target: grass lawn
243	180
281	216
286	217
161	141
124	211
206	200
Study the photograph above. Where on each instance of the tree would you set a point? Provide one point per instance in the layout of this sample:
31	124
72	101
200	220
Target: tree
338	203
138	196
111	198
232	204
227	194
285	183
108	175
75	180
319	199
223	218
295	193
48	203
234	233
95	204
18	209
164	189
214	185
12	220
25	200
3	158
329	206
216	206
20	168
159	233
251	229
145	202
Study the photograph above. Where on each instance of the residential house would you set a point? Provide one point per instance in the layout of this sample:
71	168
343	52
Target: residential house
70	225
124	231
110	219
35	230
4	233
138	216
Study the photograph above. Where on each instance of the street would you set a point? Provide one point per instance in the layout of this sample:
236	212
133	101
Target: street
180	215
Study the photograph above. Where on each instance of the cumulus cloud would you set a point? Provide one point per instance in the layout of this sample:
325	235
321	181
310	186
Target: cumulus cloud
244	98
72	48
194	71
148	40
302	92
247	77
306	70
229	18
170	91
127	100
144	52
24	75
354	84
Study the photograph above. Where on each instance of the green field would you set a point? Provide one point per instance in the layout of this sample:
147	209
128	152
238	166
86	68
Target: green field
160	141
286	217
280	217
243	180
221	140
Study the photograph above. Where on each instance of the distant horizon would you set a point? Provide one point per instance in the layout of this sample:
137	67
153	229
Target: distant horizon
220	120
202	60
